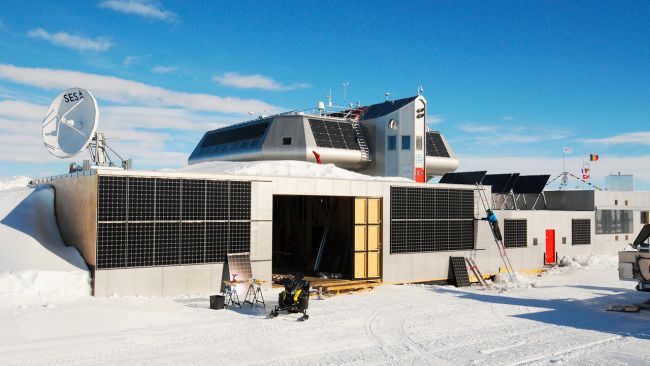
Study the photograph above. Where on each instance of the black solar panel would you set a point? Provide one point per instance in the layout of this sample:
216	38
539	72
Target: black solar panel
428	220
337	135
470	178
515	233
530	184
435	146
501	183
154	221
580	231
235	134
458	275
112	199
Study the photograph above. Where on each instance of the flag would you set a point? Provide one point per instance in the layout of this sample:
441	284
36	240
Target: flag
593	157
568	150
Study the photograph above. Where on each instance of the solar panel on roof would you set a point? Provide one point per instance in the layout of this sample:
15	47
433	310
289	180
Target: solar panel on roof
435	146
530	184
229	135
337	135
501	183
463	177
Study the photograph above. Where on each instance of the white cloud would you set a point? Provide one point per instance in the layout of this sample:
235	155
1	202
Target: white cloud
477	128
144	8
255	81
164	69
131	92
641	138
130	60
139	133
433	119
72	41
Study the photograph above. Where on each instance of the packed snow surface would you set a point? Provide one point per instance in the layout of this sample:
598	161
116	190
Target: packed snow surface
281	168
34	260
562	320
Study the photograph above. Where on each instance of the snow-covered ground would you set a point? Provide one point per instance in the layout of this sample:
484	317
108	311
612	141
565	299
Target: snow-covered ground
48	318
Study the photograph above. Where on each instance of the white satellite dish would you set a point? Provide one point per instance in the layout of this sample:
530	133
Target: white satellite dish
70	127
70	123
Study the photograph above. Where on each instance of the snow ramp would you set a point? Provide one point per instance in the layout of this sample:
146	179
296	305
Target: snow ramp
34	260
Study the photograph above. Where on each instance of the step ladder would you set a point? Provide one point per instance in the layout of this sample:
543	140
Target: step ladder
474	268
496	233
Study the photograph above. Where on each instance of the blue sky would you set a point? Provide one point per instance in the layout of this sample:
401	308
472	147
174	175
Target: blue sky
508	83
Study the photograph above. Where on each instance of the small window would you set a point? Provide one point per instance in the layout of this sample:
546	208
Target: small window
534	241
625	202
406	142
564	240
286	141
615	202
645	215
392	142
418	143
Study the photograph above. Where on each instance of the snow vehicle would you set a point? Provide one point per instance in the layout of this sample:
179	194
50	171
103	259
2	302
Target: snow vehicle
635	265
294	298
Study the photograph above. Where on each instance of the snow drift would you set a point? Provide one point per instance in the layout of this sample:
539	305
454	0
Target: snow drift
280	168
36	260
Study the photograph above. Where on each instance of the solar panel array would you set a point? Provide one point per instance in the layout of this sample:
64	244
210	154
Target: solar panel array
530	184
515	233
470	178
337	135
435	146
146	222
431	220
580	231
243	136
500	183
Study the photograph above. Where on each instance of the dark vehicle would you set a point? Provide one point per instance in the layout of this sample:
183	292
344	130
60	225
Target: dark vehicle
294	298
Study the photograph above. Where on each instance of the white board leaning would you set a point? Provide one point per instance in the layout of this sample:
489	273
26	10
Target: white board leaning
70	123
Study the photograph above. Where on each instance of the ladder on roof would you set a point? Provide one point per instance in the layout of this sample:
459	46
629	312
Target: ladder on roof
365	151
496	233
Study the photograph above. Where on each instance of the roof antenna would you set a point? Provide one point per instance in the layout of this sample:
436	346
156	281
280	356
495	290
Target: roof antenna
329	98
387	94
345	91
420	89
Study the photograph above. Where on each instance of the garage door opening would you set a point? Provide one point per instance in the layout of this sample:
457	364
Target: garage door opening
336	237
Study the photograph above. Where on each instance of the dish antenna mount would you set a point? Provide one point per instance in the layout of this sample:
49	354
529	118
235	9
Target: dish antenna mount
70	127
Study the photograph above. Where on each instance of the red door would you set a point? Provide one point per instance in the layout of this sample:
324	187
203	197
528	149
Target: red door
419	175
550	246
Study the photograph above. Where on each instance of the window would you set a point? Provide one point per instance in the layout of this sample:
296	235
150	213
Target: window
286	141
645	216
515	233
614	221
392	142
580	231
406	142
418	143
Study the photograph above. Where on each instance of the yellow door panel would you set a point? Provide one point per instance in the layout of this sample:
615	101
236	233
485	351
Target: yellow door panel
374	210
359	210
360	265
359	237
373	264
373	237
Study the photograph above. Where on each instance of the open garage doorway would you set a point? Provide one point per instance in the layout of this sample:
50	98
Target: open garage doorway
326	236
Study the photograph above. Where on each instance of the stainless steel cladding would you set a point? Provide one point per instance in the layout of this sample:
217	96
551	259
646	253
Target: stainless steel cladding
385	139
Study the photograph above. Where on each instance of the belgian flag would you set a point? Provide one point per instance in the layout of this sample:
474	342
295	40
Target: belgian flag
593	157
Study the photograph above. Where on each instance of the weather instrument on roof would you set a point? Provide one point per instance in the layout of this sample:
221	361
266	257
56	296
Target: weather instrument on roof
70	127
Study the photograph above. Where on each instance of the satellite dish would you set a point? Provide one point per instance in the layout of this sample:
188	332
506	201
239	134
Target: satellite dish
70	123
